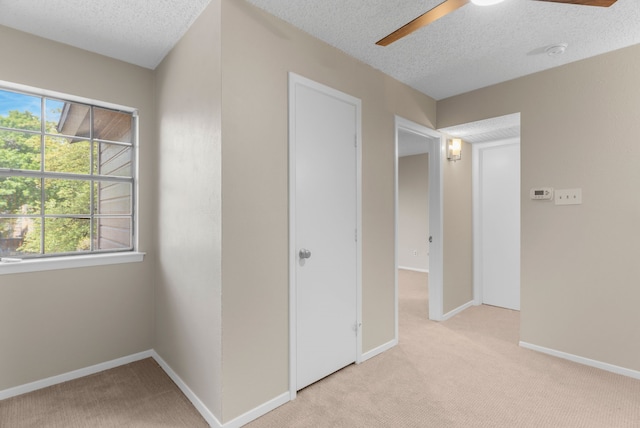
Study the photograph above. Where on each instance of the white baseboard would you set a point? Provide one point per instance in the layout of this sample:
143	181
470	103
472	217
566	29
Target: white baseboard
207	414
414	269
262	409
75	374
582	360
379	350
197	403
457	310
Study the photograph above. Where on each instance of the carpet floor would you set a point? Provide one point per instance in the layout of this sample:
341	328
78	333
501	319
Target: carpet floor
465	372
136	395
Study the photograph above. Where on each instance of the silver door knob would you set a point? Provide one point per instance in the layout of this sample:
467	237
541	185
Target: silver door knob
304	254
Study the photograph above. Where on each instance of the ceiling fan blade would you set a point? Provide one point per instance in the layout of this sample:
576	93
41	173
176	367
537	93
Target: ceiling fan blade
601	3
437	12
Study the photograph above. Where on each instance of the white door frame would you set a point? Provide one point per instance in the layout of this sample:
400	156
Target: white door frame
434	146
477	214
294	81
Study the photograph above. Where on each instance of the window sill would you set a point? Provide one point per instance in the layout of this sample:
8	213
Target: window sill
69	262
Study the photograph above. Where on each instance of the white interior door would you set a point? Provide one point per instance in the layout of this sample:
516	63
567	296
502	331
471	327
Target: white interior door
324	136
500	225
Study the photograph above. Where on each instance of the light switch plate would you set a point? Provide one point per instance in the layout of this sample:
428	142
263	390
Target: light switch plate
568	196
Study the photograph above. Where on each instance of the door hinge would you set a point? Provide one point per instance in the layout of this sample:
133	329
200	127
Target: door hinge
356	327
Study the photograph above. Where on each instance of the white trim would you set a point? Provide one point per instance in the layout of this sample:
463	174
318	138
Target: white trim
261	410
193	398
475	226
75	374
69	262
293	332
457	310
207	414
295	79
635	374
94	259
413	269
436	206
379	350
151	353
64	96
476	183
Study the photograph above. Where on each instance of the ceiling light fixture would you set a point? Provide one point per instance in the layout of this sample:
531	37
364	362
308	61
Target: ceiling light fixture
486	2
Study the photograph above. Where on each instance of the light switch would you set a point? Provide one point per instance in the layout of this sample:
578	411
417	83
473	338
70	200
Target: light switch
568	196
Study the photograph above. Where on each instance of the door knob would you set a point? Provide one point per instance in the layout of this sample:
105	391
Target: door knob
304	254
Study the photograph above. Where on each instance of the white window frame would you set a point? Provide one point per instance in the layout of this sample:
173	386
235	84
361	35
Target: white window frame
11	265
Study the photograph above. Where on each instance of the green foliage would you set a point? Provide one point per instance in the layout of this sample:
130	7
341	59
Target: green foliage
22	196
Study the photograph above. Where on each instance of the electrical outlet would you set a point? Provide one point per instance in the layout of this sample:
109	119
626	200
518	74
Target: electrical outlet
568	197
415	252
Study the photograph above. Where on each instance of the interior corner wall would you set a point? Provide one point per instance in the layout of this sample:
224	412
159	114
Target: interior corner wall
188	279
413	211
457	275
579	268
258	52
60	321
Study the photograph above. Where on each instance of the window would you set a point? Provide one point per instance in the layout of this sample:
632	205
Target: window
67	173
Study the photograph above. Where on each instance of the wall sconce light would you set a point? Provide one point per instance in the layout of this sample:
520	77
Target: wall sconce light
454	149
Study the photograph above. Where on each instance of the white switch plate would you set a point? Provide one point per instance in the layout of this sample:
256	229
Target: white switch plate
568	197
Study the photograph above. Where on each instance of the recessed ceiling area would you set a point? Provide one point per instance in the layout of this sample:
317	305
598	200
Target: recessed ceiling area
486	131
483	131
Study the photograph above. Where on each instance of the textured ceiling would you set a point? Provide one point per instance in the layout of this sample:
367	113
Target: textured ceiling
488	130
469	49
483	131
140	32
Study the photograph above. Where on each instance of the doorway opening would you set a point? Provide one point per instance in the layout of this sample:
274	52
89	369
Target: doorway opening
418	211
495	145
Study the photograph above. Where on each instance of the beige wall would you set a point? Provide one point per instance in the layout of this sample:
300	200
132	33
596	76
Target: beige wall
188	280
55	322
579	128
258	51
457	275
413	211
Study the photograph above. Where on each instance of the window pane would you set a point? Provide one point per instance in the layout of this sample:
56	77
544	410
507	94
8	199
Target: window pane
66	235
19	150
19	111
19	236
113	159
111	125
68	118
19	195
112	233
53	157
112	198
66	197
66	155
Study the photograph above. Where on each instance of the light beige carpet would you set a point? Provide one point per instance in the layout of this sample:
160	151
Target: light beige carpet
465	372
138	395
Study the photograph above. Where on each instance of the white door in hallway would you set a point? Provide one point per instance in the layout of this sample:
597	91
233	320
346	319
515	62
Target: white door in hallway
324	129
500	225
